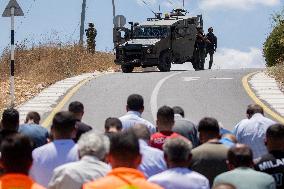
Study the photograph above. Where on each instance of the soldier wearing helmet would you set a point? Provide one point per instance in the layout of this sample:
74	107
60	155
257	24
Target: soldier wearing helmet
211	45
91	34
200	49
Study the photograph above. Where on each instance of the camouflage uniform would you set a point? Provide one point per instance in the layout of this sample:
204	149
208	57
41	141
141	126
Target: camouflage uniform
91	34
200	50
211	45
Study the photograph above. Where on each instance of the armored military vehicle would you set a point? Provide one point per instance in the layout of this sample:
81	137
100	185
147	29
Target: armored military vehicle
159	41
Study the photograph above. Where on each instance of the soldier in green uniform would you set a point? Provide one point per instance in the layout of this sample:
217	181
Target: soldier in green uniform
211	46
91	34
200	50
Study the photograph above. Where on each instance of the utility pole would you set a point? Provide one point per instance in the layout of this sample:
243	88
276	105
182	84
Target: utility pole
113	9
83	16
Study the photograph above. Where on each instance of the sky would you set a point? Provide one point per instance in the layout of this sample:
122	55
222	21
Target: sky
240	25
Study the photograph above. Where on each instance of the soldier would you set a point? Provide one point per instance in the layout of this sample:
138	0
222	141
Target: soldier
211	45
200	49
91	34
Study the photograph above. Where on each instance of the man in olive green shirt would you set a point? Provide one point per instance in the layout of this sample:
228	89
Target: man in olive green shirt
209	159
241	174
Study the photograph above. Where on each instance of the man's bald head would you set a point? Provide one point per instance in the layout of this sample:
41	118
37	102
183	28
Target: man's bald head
224	186
141	131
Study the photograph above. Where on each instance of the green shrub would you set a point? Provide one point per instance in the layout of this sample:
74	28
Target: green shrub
273	49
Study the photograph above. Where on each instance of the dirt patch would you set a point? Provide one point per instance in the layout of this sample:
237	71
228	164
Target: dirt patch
38	67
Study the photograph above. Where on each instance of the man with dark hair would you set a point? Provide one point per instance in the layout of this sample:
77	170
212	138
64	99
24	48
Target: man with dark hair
177	155
165	122
209	159
38	134
10	123
241	174
252	131
60	151
135	108
77	108
152	158
184	127
32	117
16	159
124	157
113	125
273	162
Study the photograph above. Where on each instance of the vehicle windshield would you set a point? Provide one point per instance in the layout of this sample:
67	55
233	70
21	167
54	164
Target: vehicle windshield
150	32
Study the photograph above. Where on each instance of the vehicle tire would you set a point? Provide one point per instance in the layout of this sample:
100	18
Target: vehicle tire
165	62
127	69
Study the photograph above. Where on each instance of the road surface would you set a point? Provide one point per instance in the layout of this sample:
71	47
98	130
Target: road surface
214	93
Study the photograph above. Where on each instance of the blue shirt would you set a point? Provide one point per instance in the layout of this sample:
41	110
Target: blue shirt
227	142
49	156
152	159
132	118
36	133
252	133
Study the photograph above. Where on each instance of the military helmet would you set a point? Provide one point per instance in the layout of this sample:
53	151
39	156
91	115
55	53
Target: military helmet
210	29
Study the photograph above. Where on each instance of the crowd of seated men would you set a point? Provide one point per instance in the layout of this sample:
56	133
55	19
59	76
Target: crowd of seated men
133	153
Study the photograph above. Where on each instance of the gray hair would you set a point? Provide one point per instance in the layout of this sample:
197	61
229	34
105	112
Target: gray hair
177	149
93	144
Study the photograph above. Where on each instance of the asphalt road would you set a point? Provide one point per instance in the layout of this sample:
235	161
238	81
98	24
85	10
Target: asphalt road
214	93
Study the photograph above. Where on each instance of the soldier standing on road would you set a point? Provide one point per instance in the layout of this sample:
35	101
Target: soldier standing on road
91	34
200	49
211	45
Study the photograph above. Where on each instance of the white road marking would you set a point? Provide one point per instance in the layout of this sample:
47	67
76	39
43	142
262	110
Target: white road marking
154	96
190	78
221	78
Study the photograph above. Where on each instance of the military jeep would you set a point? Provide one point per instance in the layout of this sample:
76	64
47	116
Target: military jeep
159	41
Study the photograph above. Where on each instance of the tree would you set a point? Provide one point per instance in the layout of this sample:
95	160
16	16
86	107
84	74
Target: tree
273	48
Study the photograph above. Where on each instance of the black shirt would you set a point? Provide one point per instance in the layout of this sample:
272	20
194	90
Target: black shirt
273	164
213	41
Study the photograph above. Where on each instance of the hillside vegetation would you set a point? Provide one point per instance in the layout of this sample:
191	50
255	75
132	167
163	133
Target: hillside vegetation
273	48
43	65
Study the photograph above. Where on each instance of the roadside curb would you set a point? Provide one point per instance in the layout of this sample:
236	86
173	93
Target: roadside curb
265	92
47	100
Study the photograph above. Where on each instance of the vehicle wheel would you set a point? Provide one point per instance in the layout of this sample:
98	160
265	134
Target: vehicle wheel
165	62
127	69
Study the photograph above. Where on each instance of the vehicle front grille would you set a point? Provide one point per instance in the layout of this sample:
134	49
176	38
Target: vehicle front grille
133	51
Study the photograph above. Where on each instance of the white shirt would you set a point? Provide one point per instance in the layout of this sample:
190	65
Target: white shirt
132	117
180	178
49	156
74	175
252	133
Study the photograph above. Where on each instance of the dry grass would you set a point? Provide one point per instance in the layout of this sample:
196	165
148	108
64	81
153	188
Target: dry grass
43	65
277	72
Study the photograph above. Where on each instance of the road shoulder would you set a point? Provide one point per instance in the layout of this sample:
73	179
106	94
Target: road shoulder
265	91
53	98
